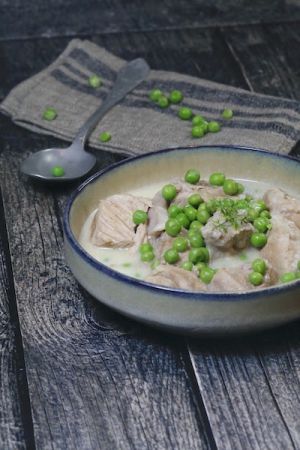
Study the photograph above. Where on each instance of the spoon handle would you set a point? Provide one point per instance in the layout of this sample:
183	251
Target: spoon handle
129	76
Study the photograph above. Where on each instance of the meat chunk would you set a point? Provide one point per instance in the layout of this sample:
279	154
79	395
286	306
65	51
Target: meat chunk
175	277
235	279
221	234
279	202
230	280
283	247
112	225
161	244
204	189
158	215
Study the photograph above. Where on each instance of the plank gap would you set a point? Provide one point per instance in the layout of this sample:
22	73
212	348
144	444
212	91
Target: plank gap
202	415
22	384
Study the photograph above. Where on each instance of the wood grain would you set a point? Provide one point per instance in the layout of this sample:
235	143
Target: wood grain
74	17
96	380
268	56
11	426
250	389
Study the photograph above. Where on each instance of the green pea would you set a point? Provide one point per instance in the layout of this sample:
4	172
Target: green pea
227	113
198	120
241	188
187	265
207	274
174	210
163	102
255	278
199	254
105	136
203	216
185	113
192	176
193	232
259	265
171	256
49	114
203	206
95	81
196	225
265	214
196	240
147	256
139	217
155	95
58	171
190	212
176	96
230	187
198	131
258	240
195	200
169	192
211	206
199	266
261	224
183	220
287	277
259	205
180	244
205	126
173	227
217	179
214	126
252	214
146	247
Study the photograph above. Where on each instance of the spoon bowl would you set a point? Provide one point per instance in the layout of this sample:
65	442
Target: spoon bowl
75	163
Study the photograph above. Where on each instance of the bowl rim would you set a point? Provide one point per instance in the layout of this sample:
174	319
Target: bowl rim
158	289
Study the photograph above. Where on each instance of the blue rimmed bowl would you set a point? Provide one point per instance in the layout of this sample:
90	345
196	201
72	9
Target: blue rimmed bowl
174	309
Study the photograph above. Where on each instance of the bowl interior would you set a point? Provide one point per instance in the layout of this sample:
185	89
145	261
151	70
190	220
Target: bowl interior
158	167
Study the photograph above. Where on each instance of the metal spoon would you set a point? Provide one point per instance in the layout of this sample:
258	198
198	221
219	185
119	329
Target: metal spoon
75	161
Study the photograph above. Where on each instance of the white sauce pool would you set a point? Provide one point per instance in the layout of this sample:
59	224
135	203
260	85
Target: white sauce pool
122	260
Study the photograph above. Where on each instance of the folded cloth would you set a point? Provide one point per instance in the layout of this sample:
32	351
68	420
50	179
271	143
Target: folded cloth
137	125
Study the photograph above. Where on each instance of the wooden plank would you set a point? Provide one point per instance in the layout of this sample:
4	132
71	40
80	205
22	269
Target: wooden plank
96	380
269	59
72	17
11	427
268	56
250	386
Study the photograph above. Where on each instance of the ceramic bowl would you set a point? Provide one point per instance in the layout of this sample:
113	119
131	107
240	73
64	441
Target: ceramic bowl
174	309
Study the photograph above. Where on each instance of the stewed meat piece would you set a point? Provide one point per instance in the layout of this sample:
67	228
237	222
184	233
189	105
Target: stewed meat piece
113	225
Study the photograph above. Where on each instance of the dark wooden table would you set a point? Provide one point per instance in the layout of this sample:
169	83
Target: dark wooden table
74	374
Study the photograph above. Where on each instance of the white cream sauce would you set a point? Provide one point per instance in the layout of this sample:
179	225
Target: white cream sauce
122	260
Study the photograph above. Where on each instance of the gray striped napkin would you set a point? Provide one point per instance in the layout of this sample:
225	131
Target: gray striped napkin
137	125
